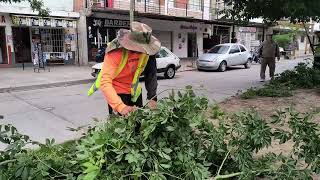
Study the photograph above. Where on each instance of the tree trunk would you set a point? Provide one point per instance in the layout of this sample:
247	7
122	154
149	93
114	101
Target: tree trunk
309	38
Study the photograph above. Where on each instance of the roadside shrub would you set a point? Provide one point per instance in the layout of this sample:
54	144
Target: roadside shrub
317	51
179	140
283	40
284	84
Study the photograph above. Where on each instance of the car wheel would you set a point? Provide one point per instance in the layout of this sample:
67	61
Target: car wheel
223	66
248	64
170	72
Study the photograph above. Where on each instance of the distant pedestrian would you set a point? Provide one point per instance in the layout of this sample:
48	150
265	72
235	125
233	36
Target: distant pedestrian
269	50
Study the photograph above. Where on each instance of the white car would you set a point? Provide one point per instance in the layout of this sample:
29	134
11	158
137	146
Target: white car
167	63
225	55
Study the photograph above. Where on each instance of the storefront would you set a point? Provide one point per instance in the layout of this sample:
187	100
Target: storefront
51	40
250	37
101	31
220	35
5	44
3	51
185	39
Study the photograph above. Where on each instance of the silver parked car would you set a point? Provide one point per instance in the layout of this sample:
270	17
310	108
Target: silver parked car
225	55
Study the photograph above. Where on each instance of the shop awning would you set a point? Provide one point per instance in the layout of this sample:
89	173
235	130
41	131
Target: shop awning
36	21
176	18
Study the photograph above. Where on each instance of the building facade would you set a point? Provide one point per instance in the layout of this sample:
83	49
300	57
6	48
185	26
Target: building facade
183	26
250	36
27	39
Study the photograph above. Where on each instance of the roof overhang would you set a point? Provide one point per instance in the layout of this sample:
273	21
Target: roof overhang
175	18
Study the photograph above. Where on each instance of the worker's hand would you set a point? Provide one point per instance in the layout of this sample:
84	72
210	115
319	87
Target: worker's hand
152	104
127	110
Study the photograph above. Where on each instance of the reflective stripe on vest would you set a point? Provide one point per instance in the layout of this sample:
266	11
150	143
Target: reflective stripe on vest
135	86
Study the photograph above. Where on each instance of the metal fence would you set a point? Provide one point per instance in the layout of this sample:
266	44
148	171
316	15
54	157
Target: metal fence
194	9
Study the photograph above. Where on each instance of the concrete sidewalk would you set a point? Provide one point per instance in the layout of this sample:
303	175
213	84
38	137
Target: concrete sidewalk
17	79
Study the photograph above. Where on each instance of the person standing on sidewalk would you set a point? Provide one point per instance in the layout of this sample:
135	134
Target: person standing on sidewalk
269	50
127	57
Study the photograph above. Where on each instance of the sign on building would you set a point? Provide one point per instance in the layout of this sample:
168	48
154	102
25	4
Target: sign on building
248	29
116	23
43	22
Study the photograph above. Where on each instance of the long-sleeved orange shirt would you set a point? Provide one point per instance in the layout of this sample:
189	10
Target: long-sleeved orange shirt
111	86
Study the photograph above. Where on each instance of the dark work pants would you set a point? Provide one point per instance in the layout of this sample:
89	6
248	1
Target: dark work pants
126	99
271	62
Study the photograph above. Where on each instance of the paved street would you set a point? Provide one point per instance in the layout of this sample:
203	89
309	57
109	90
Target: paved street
46	113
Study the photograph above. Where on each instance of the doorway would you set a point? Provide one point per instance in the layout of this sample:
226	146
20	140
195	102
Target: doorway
3	46
22	45
192	45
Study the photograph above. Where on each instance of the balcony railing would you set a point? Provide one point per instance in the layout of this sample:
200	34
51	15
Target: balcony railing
161	7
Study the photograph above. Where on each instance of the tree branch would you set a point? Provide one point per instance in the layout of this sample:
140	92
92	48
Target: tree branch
7	162
224	160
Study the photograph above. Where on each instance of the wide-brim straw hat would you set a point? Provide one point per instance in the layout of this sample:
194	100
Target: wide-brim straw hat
139	39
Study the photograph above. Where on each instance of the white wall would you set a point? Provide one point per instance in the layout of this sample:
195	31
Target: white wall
54	5
58	8
207	10
175	27
8	32
317	27
180	48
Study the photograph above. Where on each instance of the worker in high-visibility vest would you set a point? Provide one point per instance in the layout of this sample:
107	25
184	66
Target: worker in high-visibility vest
127	57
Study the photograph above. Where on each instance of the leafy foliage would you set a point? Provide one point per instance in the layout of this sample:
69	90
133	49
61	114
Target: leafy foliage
283	40
36	5
283	85
273	10
317	51
179	140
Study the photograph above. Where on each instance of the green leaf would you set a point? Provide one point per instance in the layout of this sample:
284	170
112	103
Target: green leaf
120	130
164	155
91	176
131	158
19	171
25	174
90	167
166	166
180	156
167	150
170	128
96	147
48	142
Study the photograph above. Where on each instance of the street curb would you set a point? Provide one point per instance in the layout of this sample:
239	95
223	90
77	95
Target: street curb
45	86
58	84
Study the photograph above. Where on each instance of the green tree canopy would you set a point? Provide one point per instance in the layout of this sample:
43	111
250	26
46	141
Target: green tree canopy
36	5
273	10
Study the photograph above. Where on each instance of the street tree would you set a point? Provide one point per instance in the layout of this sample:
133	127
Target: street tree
36	5
296	11
274	10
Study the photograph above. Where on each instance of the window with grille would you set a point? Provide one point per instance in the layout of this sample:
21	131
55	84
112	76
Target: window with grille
52	40
195	5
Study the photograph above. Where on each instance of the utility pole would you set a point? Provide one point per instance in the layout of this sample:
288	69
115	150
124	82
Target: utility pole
132	7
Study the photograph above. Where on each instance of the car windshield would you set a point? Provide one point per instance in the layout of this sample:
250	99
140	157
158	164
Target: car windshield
219	49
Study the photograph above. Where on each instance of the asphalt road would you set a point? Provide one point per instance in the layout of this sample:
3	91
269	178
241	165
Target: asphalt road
47	113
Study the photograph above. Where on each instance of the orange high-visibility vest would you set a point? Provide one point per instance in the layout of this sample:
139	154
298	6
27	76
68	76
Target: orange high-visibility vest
136	89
